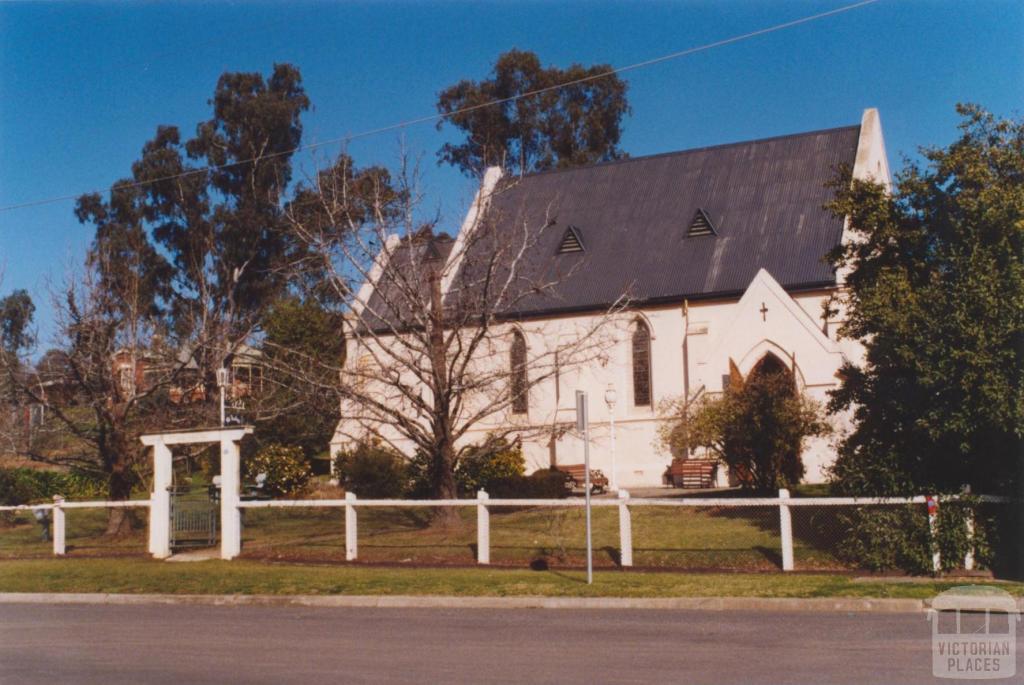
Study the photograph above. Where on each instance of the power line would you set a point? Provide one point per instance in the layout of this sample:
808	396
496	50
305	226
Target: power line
446	115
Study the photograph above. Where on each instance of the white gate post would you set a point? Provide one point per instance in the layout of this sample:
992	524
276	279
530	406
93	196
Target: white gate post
160	502
351	534
230	495
58	525
625	530
969	522
483	529
786	530
932	502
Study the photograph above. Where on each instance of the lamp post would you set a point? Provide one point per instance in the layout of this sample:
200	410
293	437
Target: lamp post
222	381
610	397
583	426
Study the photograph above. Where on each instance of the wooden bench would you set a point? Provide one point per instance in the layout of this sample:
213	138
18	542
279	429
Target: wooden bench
577	477
692	473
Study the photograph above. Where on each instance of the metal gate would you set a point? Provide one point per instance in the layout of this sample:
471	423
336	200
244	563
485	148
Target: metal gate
195	515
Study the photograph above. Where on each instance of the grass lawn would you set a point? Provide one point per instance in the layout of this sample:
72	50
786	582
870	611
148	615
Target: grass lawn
683	538
134	575
21	535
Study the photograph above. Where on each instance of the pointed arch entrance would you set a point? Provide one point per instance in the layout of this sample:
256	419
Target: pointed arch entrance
769	382
770	365
230	481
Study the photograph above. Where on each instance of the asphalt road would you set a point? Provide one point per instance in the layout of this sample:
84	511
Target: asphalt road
206	644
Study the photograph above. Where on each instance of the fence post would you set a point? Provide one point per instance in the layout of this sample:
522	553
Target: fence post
932	502
625	530
351	534
483	529
786	530
58	526
969	523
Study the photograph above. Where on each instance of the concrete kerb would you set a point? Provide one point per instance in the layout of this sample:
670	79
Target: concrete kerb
776	604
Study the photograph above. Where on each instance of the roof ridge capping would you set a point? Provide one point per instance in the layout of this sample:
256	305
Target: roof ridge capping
703	148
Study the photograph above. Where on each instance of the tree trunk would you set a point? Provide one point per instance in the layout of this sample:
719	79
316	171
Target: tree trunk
119	488
119	523
445	487
444	457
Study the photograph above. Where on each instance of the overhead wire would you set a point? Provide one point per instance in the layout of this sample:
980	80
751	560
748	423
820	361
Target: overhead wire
441	116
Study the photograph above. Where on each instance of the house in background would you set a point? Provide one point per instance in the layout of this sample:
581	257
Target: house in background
721	253
141	370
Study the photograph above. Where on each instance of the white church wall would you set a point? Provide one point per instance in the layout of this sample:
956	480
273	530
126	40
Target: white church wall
719	330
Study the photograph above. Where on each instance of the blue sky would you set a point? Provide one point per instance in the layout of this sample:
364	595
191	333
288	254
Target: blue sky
83	86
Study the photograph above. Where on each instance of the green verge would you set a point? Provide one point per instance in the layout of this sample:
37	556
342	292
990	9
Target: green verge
254	577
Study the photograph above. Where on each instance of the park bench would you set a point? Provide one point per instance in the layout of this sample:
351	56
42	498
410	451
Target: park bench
577	477
692	473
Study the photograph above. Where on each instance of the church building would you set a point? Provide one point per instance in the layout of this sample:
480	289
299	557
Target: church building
720	253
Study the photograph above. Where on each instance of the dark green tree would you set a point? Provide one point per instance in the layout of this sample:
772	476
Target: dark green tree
757	427
16	312
935	290
573	126
303	350
222	222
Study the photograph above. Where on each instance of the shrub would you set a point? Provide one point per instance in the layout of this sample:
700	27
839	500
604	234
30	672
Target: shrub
481	466
542	484
31	486
287	470
373	470
757	426
898	537
882	539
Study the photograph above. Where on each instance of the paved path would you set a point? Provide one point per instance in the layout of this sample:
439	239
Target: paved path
248	644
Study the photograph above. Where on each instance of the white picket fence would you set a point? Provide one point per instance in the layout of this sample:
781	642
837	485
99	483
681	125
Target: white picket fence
483	504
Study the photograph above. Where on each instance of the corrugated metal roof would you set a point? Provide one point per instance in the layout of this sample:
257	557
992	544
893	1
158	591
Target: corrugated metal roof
402	294
764	197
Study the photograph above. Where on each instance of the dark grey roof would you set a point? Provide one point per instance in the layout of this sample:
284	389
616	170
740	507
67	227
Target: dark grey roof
764	198
402	294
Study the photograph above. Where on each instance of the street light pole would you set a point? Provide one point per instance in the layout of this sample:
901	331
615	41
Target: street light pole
610	397
583	425
222	381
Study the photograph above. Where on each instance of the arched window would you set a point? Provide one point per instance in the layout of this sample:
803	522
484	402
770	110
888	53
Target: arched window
520	386
641	364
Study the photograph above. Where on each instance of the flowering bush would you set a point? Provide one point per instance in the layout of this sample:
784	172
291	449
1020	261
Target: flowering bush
482	465
286	468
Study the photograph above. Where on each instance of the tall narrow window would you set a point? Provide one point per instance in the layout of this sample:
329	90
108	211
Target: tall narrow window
641	364
520	382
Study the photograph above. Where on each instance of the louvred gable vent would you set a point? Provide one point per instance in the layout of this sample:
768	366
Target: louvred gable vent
701	225
572	241
431	253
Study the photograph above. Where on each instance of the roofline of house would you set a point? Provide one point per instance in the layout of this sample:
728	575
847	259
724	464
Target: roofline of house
633	304
658	301
627	160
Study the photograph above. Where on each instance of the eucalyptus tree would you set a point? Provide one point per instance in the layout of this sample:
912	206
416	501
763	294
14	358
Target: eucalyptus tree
574	120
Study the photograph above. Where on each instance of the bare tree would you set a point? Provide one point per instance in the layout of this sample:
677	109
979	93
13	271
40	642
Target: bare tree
430	319
111	373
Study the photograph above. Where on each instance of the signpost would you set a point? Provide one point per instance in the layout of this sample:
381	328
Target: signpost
583	425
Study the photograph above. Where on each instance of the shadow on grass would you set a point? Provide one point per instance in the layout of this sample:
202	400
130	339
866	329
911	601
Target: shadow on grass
614	553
